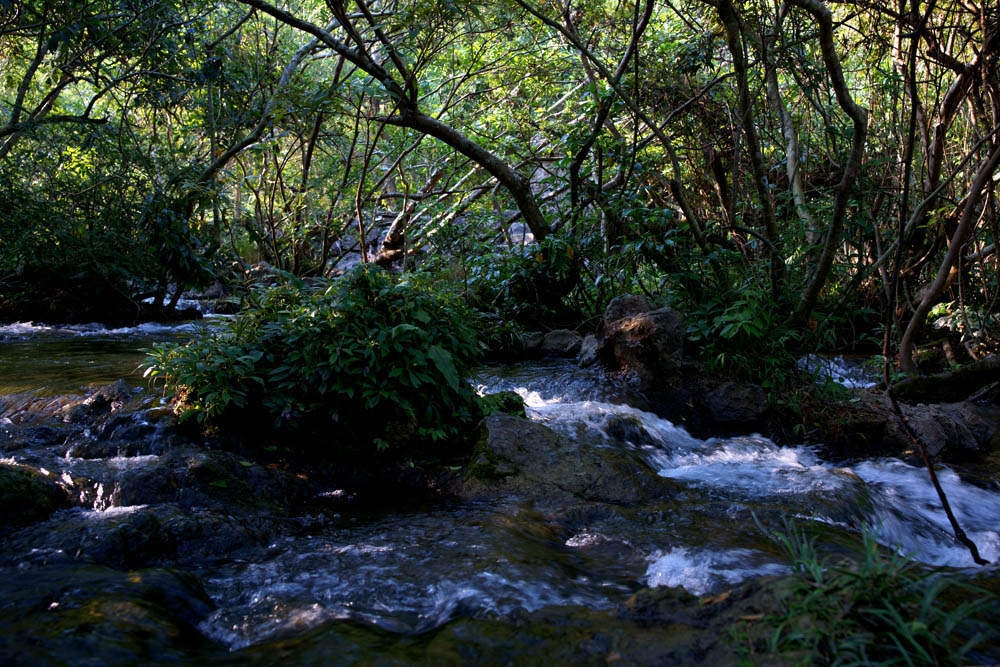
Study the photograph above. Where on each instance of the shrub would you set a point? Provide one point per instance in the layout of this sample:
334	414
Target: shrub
384	360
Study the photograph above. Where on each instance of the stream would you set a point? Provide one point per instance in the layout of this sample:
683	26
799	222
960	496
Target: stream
332	582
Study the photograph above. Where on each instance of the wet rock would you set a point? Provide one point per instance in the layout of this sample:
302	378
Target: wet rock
14	437
737	404
623	306
90	615
526	459
647	345
588	351
129	441
561	343
532	341
131	537
629	429
27	496
110	398
193	477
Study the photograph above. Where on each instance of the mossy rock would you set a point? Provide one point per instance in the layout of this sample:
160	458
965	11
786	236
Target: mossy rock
84	614
527	459
27	496
487	464
503	402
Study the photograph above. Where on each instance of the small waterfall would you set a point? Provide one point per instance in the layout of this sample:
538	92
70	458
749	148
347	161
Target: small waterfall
888	497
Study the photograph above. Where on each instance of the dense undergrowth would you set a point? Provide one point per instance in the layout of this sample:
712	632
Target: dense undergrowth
368	360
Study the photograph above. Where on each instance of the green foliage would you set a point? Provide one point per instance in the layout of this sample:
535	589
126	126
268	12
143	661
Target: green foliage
385	361
528	287
742	333
883	609
503	402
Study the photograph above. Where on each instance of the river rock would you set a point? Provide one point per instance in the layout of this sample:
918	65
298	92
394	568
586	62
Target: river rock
91	615
107	399
626	305
952	431
142	536
27	495
526	459
589	348
645	344
532	341
737	404
561	343
867	425
195	477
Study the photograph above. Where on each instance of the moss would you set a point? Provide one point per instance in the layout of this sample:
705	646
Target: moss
505	402
488	465
27	496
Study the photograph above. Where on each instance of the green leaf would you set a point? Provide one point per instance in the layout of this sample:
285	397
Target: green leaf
442	359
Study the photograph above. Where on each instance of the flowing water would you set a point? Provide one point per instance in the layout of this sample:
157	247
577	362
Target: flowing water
415	569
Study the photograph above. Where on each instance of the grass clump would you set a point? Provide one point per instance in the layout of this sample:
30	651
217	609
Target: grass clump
883	608
379	361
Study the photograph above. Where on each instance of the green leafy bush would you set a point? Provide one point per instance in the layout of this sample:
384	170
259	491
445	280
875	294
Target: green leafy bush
383	362
530	286
742	333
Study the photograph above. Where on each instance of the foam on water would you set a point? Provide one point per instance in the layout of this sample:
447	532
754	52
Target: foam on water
852	374
910	515
20	330
892	498
396	580
699	571
597	417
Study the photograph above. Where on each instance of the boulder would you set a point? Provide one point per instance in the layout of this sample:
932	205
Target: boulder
561	343
623	306
647	344
589	348
868	426
532	341
952	431
27	495
522	458
737	404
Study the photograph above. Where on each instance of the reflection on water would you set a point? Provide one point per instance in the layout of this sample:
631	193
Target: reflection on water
55	360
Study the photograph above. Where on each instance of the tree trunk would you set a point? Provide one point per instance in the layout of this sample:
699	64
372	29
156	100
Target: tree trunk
933	292
859	116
